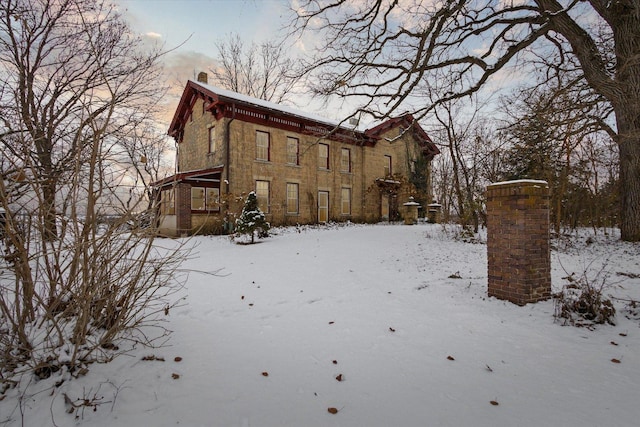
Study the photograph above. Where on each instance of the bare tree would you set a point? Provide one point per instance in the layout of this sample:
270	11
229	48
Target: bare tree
472	157
77	91
262	71
395	54
551	128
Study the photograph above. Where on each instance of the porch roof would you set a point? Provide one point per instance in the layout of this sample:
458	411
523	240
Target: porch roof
200	175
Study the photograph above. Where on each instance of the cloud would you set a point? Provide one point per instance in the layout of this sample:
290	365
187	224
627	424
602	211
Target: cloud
178	68
153	35
183	65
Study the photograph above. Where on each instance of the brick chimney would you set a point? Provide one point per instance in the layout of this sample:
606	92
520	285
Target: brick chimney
202	77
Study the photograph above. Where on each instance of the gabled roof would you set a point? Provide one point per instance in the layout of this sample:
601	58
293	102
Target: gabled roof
221	95
409	124
226	103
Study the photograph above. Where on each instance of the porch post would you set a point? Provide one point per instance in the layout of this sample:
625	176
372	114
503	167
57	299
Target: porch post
183	209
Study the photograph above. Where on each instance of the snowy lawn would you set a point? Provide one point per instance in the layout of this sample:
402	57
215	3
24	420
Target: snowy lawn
261	343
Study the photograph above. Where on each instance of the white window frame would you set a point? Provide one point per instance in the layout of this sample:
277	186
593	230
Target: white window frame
345	191
210	199
388	167
293	189
345	164
323	161
263	151
293	142
263	199
212	139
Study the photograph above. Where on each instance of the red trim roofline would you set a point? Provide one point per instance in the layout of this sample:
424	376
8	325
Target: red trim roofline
224	103
407	121
194	175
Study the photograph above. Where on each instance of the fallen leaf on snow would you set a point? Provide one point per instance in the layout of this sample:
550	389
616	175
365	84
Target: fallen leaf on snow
265	374
494	402
615	360
333	410
450	358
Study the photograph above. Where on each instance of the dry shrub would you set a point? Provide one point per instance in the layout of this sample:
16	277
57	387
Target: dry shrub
583	303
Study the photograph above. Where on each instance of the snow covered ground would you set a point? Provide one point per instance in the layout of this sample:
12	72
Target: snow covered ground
381	308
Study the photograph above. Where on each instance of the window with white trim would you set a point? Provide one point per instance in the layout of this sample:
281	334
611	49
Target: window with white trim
212	201
346	201
212	139
345	160
263	149
205	198
167	202
197	198
292	198
262	193
387	166
323	156
293	151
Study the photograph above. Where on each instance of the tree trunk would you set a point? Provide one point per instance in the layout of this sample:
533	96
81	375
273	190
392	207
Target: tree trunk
48	208
629	144
627	48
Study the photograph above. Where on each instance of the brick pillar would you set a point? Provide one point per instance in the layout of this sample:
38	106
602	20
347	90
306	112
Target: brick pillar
518	256
183	209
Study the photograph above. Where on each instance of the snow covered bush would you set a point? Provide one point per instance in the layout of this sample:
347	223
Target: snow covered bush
252	219
82	277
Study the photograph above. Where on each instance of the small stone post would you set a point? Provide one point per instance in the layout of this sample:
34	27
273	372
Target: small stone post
434	213
518	255
411	211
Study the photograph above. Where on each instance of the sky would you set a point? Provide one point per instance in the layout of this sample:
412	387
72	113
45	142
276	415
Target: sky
191	28
200	23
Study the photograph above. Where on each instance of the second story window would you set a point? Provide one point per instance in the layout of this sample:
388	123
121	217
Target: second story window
212	139
387	166
293	151
263	149
323	156
345	160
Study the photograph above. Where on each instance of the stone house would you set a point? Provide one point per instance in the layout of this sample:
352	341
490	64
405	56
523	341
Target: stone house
303	168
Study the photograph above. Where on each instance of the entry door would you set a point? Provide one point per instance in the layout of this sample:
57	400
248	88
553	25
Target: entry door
323	206
385	208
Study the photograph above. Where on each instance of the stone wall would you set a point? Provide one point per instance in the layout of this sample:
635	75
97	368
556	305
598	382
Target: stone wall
519	267
367	165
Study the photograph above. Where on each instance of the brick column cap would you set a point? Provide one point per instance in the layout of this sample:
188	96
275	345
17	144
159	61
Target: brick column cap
520	182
